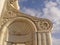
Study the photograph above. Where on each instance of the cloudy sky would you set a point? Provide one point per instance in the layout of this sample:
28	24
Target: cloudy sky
44	9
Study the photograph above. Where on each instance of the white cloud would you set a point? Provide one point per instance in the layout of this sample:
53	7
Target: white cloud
55	41
58	1
50	4
31	12
52	12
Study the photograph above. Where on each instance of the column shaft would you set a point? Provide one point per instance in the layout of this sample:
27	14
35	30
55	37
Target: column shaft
36	39
39	38
43	39
48	38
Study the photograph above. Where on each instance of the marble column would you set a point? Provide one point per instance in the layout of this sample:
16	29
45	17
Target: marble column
48	38
42	39
39	38
36	38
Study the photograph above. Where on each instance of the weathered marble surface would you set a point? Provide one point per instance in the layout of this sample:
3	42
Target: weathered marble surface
19	28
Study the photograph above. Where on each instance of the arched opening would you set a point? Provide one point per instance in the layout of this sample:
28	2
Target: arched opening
19	31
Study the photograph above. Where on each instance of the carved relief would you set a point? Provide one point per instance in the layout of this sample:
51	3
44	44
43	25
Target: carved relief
20	30
3	22
11	14
20	27
44	25
23	26
12	1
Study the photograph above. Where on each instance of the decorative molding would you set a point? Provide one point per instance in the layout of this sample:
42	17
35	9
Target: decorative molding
12	1
44	25
24	27
27	25
3	22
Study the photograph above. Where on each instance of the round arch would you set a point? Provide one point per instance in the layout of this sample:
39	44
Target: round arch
10	22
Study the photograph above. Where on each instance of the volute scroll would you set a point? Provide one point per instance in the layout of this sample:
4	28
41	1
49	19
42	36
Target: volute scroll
44	25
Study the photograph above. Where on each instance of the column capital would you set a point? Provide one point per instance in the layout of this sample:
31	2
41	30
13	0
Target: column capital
44	25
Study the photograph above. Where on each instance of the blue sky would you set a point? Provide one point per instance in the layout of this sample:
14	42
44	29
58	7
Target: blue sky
44	9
